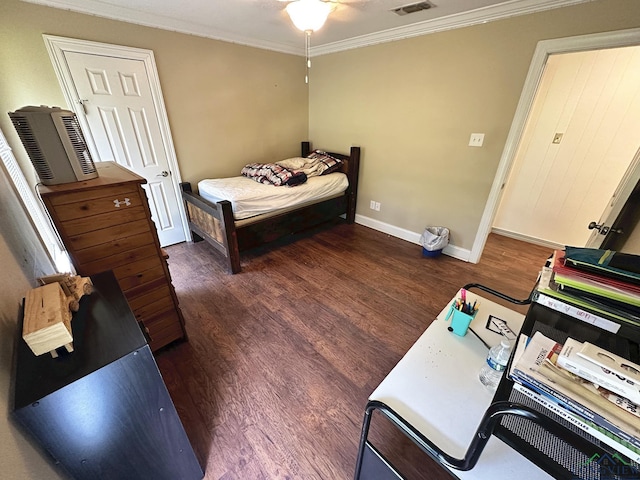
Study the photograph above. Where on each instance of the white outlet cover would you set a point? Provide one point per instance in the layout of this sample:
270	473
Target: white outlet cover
476	139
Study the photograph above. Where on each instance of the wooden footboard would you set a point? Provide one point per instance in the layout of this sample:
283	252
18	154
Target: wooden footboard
214	222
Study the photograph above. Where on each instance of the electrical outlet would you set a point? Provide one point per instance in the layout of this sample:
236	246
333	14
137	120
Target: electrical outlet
476	140
376	207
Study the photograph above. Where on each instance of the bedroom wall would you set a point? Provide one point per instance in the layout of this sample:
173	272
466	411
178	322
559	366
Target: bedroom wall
23	259
412	105
227	104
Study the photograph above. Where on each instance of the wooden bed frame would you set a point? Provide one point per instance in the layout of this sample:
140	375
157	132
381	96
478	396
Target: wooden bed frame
214	222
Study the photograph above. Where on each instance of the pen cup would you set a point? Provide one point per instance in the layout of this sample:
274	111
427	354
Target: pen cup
460	321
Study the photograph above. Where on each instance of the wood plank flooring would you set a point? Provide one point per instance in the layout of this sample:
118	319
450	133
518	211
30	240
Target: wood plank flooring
282	357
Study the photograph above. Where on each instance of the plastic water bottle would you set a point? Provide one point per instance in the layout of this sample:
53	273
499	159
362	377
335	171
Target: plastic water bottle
492	370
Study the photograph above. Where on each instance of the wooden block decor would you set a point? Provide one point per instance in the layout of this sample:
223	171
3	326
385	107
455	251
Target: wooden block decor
47	320
73	286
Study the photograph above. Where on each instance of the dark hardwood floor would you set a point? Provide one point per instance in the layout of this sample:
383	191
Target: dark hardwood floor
282	357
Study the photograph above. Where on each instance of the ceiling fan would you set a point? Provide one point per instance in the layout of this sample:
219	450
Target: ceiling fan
308	16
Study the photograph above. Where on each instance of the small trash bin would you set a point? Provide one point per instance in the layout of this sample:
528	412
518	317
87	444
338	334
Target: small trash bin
433	240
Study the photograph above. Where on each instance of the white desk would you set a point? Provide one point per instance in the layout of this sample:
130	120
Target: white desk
435	388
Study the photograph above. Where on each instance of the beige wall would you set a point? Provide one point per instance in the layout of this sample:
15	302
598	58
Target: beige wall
22	259
412	105
227	104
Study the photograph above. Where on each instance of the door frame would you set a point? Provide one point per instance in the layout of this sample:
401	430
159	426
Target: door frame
544	48
57	46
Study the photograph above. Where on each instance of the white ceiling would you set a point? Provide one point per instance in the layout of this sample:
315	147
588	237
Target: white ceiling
265	24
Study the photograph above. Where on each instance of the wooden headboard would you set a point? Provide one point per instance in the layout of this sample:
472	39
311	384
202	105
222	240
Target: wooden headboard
351	168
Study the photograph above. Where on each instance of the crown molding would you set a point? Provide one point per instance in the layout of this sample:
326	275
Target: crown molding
465	19
96	8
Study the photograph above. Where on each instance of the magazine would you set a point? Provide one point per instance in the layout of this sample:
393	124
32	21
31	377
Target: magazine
533	370
570	359
550	404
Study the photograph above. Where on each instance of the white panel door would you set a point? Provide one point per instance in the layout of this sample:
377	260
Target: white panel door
121	113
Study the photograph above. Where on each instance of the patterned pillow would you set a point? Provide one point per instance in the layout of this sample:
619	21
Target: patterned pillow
331	163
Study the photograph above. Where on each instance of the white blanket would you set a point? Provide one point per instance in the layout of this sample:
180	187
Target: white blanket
249	198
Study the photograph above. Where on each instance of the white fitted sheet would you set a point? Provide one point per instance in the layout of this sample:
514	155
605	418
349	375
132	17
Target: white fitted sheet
249	198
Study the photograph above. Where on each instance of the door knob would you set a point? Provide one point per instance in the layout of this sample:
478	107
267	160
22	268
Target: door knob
163	174
593	225
604	229
83	102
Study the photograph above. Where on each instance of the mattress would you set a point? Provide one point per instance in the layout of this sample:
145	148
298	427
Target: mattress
249	198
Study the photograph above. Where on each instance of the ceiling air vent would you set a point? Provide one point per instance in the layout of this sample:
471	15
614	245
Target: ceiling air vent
413	8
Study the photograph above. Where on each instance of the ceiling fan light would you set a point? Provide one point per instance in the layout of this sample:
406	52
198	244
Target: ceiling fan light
308	15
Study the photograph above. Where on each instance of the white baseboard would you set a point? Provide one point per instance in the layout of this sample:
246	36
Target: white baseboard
527	238
409	236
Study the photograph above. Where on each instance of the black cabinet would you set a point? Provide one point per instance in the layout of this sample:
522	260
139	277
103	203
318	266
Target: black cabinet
103	411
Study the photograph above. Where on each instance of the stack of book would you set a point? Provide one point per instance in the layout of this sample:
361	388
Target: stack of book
591	388
594	390
612	293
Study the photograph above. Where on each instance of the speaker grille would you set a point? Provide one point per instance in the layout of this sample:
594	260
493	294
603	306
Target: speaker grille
79	144
32	147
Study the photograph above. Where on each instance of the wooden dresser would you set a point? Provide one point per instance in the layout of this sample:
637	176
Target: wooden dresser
105	224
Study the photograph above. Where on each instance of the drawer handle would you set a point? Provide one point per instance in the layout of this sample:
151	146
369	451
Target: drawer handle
125	202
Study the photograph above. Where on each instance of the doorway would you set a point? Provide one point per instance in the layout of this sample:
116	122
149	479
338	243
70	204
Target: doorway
115	93
579	141
543	50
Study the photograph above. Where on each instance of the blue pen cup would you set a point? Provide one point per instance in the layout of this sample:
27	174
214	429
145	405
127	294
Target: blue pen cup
460	321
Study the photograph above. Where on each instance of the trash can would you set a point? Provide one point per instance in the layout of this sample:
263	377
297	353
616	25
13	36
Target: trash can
433	240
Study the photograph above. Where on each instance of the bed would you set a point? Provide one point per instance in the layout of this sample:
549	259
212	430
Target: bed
213	218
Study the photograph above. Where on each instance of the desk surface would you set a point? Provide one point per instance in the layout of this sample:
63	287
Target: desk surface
435	387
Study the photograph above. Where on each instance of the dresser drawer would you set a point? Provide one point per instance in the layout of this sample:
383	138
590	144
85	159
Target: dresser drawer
163	328
116	249
143	278
82	225
159	339
133	269
90	194
88	207
143	289
146	305
106	235
123	263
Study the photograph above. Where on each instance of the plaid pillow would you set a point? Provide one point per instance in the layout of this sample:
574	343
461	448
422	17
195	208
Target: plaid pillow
331	164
